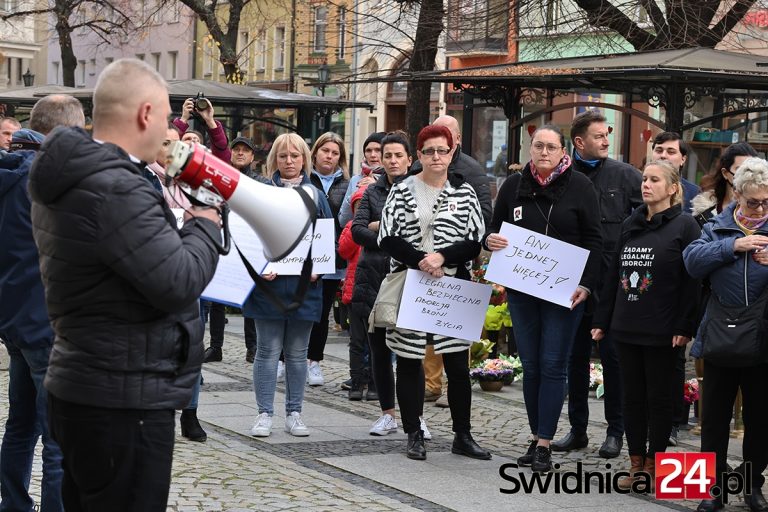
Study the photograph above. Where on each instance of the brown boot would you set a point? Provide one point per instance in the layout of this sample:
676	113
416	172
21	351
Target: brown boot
636	465
650	467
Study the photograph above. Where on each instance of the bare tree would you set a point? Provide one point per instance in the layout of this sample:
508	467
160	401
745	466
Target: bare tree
224	33
103	17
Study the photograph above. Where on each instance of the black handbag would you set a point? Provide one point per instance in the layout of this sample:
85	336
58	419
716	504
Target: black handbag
735	336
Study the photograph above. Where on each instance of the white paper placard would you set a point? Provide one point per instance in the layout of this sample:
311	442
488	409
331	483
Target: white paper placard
447	306
538	265
231	284
323	242
179	214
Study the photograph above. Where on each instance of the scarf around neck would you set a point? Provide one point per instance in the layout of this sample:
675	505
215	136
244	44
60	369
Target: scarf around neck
748	224
563	166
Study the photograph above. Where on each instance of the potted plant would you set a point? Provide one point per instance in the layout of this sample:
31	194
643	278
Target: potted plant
492	373
517	366
690	394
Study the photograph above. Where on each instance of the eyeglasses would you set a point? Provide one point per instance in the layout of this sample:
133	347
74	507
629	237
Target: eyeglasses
539	147
432	151
753	204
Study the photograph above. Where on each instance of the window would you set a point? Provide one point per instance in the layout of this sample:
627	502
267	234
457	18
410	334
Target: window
279	61
140	56
92	67
243	50
81	73
56	80
321	23
156	61
261	51
172	58
553	15
342	32
9	5
207	64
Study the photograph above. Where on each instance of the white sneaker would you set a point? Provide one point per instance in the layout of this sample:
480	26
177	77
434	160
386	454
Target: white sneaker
423	427
280	371
315	374
294	425
262	427
383	426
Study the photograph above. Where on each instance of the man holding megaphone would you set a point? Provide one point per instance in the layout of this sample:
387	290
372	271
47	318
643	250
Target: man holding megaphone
121	285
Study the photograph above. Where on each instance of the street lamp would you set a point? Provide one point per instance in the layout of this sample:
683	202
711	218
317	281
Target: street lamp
29	79
323	75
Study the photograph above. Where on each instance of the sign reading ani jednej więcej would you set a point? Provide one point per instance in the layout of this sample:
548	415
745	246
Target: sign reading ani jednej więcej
446	305
538	265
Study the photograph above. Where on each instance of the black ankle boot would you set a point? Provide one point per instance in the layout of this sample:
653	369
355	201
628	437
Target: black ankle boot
190	426
542	460
526	460
416	449
463	444
756	501
710	505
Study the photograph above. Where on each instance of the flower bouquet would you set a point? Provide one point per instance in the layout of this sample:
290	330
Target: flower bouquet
496	371
517	366
691	391
596	379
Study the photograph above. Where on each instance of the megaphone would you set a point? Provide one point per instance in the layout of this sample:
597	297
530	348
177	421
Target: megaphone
279	216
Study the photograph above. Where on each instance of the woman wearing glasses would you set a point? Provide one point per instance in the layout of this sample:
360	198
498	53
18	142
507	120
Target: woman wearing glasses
547	197
432	222
731	253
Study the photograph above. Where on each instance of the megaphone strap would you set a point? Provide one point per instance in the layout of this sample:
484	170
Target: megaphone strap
306	269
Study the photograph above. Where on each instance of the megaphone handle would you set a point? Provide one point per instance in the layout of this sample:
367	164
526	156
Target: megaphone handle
224	248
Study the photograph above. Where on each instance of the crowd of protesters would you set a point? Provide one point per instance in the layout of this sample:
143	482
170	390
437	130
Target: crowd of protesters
112	258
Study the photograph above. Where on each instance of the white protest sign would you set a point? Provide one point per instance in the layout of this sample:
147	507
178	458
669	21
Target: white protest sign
231	283
323	242
446	306
538	265
179	214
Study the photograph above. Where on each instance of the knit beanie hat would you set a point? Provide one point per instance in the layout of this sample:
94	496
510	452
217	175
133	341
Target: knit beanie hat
374	137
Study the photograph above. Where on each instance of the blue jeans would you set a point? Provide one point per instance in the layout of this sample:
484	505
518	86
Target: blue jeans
292	338
544	334
27	420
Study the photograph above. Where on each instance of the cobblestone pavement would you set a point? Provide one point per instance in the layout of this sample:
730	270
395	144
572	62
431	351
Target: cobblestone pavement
235	472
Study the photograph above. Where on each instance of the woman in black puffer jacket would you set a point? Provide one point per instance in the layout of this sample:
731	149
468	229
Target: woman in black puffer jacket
373	266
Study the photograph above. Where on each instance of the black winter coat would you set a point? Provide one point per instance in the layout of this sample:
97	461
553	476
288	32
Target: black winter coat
373	264
121	282
570	204
472	172
618	191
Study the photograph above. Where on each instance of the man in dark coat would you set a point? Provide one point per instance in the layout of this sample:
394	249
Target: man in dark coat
618	189
121	288
24	325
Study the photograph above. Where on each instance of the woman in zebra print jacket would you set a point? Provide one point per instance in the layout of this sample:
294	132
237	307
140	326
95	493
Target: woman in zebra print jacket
432	221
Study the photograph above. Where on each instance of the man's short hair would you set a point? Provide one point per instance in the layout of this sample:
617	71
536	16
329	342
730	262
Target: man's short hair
56	110
583	121
11	120
111	93
671	137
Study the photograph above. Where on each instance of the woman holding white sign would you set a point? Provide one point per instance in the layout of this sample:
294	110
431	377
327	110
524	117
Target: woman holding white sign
432	221
650	306
547	197
289	163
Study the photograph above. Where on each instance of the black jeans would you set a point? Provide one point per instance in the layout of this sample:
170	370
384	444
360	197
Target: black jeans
648	372
578	381
381	369
410	392
217	316
114	459
319	334
359	364
720	386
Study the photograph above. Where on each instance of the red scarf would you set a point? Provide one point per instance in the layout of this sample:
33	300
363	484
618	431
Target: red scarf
563	166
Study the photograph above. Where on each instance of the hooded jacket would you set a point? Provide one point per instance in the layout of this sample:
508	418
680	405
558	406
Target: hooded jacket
649	296
121	282
23	317
734	277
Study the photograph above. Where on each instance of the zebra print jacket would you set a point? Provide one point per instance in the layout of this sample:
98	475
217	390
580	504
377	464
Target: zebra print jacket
457	230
